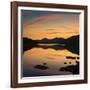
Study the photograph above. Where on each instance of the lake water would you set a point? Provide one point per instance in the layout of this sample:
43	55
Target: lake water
50	58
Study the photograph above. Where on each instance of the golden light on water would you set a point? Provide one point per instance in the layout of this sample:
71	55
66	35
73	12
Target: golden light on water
52	57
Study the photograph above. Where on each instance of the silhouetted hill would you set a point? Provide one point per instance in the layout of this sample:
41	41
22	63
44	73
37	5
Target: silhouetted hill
28	44
28	41
55	40
74	40
72	43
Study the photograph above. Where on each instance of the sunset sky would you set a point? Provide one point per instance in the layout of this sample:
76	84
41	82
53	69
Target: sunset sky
48	24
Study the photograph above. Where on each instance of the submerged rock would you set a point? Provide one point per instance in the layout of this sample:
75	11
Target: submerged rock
42	67
65	62
72	68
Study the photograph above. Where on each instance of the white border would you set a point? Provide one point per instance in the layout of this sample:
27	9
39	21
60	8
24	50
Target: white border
58	77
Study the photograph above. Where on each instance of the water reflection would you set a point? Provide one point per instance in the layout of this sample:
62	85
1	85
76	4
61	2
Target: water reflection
45	60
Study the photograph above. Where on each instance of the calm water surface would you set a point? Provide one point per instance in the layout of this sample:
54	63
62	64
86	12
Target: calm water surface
53	59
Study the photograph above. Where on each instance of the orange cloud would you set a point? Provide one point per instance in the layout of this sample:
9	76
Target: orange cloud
39	27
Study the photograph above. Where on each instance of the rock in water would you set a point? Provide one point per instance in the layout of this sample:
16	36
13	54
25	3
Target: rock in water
42	67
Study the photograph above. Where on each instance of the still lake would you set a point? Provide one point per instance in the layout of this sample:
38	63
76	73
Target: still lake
39	61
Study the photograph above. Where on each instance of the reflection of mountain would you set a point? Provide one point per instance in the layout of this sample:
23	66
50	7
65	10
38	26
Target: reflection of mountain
72	44
55	47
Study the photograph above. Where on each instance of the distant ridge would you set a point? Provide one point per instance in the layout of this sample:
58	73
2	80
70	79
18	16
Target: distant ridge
55	40
72	43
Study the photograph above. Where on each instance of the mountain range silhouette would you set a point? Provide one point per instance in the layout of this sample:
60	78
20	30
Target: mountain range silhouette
55	40
72	43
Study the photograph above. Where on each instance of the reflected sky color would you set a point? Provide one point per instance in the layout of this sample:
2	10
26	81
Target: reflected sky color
54	59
